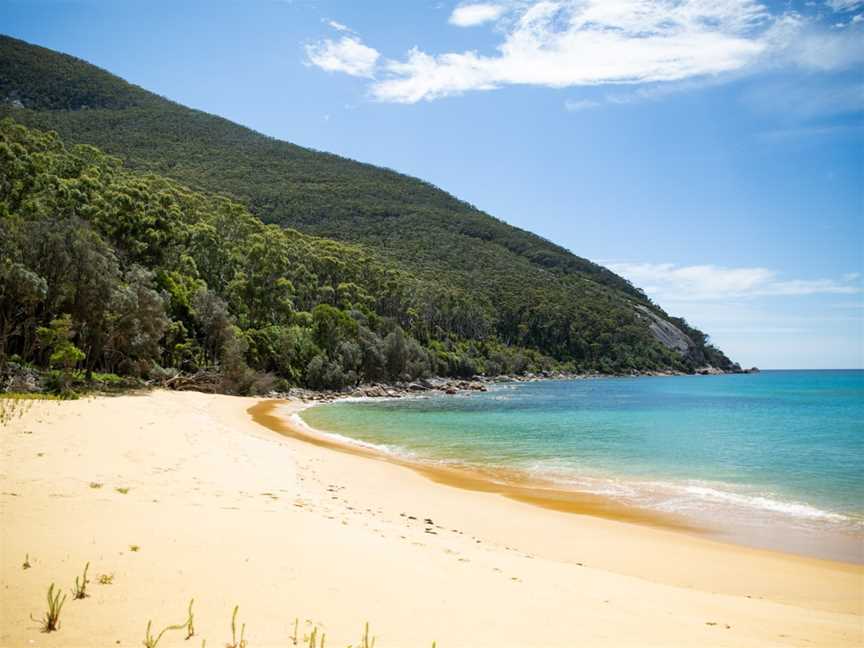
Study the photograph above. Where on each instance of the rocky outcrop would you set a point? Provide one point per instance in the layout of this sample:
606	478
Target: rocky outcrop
665	332
709	371
19	378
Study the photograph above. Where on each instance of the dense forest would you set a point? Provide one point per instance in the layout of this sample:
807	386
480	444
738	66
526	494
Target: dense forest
139	264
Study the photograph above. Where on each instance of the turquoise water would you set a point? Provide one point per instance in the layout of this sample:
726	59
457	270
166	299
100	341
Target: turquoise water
775	450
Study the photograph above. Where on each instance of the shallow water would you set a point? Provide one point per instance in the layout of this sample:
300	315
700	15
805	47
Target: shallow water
773	459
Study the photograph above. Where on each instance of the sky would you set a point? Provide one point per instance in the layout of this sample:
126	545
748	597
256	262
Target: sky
711	151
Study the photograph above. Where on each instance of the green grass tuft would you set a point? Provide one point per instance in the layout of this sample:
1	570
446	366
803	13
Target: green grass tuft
190	621
80	591
150	641
234	643
51	621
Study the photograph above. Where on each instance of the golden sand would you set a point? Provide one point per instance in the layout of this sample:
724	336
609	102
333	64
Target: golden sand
229	512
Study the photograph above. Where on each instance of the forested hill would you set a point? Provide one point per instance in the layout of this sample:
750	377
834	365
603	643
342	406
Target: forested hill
482	280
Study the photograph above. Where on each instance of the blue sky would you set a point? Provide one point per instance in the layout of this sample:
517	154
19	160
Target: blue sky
710	151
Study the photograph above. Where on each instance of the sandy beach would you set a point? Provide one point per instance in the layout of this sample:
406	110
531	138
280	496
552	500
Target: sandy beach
229	505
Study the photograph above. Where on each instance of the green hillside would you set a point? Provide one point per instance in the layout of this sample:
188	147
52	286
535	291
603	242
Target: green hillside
474	280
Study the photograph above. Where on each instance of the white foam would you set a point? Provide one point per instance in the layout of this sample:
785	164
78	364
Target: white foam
394	450
762	502
684	496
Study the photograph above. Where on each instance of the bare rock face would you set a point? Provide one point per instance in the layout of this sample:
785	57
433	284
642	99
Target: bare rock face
666	332
709	371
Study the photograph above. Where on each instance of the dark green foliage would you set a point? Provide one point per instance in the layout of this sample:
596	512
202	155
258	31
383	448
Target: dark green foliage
93	279
434	286
56	339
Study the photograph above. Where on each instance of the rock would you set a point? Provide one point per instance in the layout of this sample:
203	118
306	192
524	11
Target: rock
450	391
19	378
709	371
415	387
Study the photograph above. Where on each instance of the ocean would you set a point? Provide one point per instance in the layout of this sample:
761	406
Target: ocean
773	459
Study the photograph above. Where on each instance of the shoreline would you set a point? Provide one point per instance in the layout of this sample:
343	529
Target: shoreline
834	546
225	510
630	527
499	482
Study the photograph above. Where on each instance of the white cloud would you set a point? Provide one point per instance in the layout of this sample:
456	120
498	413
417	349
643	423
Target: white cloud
566	43
575	105
470	15
339	26
348	55
845	5
560	43
806	43
667	281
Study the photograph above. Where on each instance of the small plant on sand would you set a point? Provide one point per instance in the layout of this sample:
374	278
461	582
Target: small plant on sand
122	490
95	485
51	621
234	643
13	406
106	579
134	548
150	641
365	642
80	590
26	564
314	640
190	621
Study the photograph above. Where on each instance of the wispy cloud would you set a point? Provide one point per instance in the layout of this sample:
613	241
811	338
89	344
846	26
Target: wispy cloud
575	105
339	26
470	15
569	43
845	5
668	281
348	55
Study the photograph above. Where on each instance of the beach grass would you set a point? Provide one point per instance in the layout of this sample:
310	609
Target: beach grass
234	642
80	590
51	621
190	621
151	641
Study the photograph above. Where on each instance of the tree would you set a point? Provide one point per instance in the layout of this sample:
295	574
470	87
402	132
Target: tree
21	291
57	339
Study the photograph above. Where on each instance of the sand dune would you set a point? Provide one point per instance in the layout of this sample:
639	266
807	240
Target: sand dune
230	512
